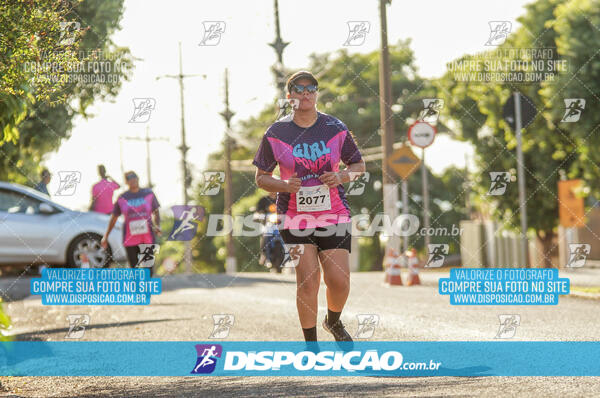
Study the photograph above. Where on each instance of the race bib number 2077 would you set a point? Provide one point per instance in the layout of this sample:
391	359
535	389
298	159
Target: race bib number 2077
315	198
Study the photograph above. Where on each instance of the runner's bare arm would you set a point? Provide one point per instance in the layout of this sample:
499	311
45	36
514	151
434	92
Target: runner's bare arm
350	173
111	225
265	180
353	171
156	225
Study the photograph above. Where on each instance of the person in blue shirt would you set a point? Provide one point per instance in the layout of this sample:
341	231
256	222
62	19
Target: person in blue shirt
42	186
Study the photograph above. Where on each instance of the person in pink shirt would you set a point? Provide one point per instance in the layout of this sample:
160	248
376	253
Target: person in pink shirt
102	192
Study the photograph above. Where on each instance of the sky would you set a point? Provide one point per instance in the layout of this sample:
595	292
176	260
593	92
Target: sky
440	31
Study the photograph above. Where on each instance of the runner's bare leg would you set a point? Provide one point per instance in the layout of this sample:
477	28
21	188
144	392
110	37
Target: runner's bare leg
308	279
336	274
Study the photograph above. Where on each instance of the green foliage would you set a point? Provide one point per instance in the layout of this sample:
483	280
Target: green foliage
37	106
576	25
4	324
548	145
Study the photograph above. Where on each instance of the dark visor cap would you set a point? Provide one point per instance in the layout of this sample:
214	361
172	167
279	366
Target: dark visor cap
301	75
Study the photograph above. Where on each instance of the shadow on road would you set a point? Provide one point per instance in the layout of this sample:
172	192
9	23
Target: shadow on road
35	336
216	281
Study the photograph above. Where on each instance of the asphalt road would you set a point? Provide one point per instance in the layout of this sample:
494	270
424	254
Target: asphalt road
264	309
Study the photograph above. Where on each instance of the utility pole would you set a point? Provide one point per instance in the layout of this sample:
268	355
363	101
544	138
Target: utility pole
230	262
279	45
521	181
390	190
148	141
187	180
121	155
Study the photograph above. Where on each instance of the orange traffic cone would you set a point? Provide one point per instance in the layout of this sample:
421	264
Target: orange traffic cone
395	278
413	268
390	258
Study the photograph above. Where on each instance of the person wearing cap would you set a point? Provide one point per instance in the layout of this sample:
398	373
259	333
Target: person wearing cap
308	146
42	186
139	206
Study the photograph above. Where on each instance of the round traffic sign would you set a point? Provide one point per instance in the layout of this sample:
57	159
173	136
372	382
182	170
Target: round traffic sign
421	134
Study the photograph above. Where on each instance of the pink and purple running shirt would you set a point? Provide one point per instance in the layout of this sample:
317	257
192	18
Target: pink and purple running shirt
137	207
102	192
309	152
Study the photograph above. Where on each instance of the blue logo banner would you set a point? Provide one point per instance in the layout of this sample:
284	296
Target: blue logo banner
95	286
292	358
503	286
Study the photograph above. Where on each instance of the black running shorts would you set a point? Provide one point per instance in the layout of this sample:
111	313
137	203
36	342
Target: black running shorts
337	236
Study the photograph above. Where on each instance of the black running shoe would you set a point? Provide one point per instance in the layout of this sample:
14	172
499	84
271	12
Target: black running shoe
337	330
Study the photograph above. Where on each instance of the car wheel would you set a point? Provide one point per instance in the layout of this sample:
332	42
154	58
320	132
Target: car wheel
88	244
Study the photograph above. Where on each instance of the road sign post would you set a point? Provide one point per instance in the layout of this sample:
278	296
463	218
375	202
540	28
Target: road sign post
404	162
521	180
422	135
519	112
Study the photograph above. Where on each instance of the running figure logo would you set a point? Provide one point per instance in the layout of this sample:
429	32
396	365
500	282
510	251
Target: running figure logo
431	110
142	109
223	323
147	255
68	182
212	33
578	253
437	255
186	222
357	33
508	326
573	109
212	182
68	32
358	182
366	325
499	31
77	324
293	251
500	180
286	106
207	358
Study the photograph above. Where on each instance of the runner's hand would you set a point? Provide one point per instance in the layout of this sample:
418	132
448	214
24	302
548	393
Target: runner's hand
294	183
331	179
104	243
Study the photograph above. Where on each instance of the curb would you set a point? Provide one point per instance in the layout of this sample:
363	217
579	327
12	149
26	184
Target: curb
580	294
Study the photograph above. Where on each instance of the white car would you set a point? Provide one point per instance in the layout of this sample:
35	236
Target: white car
35	230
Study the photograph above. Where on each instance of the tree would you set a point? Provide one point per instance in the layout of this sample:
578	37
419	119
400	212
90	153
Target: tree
44	74
576	25
548	147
